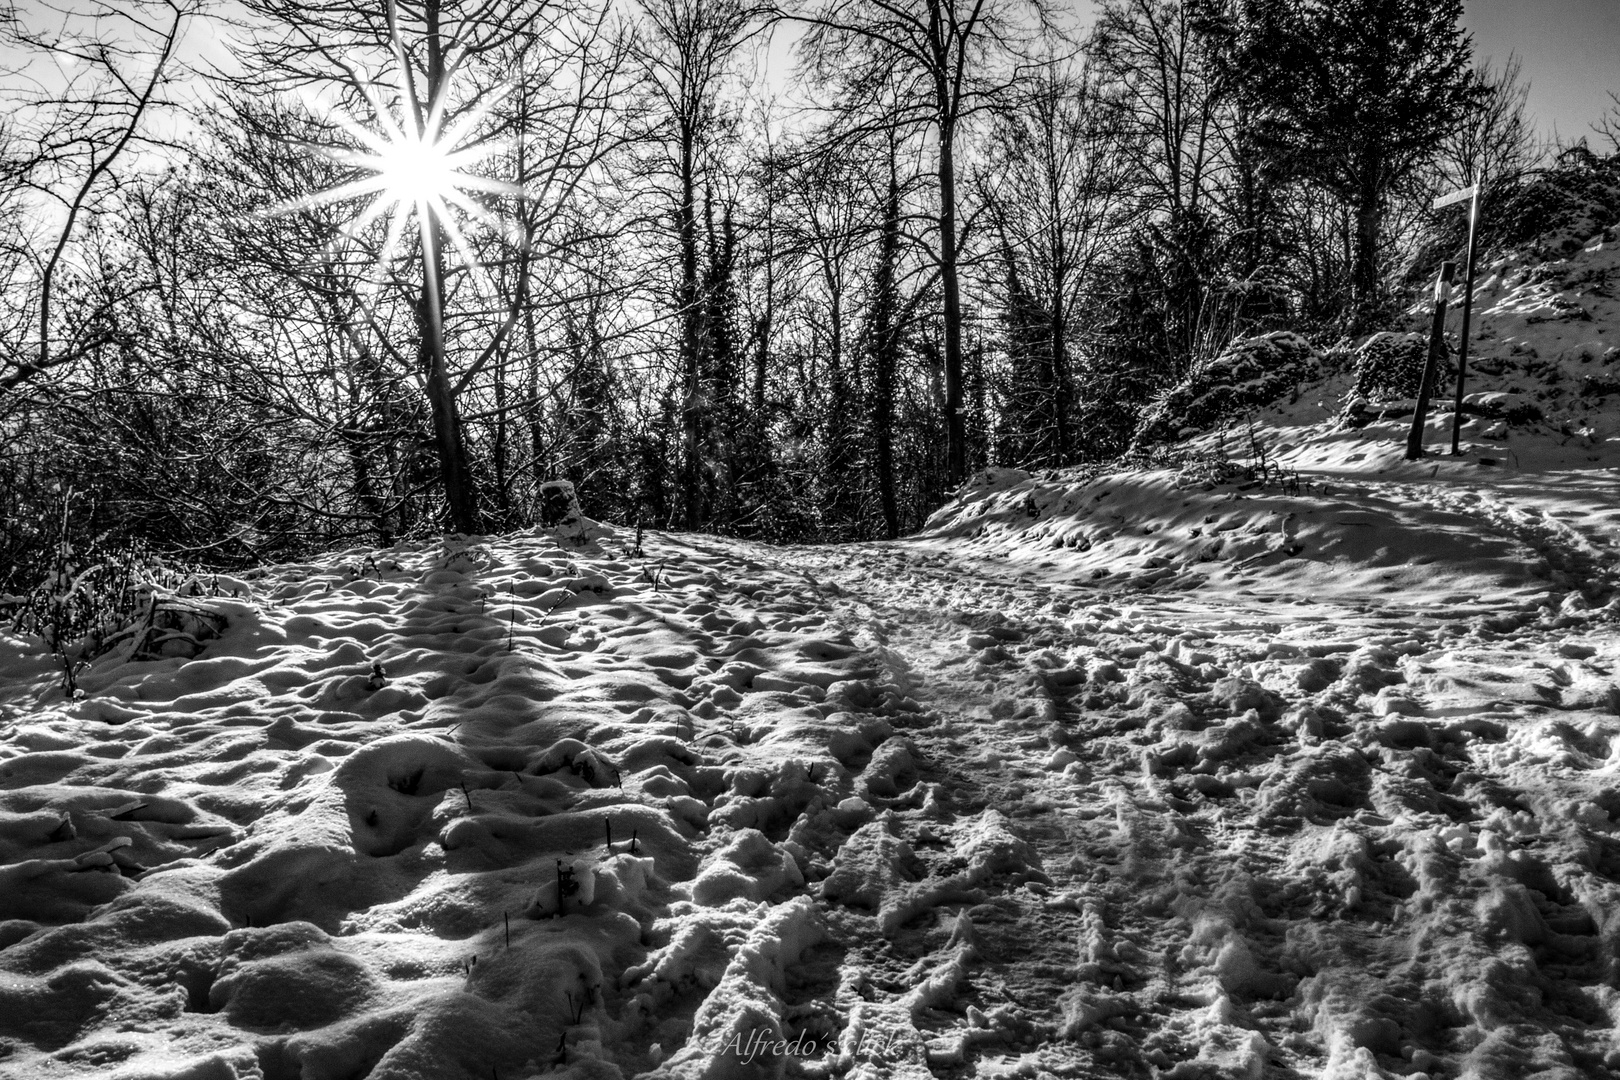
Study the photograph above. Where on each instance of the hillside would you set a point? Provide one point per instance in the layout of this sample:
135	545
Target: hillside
1272	756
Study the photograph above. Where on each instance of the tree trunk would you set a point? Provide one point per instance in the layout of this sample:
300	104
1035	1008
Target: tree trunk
767	318
365	486
1060	382
1364	276
835	331
498	452
459	492
692	407
886	346
532	411
935	480
955	421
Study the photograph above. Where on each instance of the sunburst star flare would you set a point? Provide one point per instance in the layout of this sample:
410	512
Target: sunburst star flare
411	166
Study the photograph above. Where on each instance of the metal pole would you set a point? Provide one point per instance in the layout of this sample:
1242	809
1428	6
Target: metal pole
1468	311
1437	344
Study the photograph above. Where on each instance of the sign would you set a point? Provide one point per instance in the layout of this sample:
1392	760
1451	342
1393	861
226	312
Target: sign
1456	196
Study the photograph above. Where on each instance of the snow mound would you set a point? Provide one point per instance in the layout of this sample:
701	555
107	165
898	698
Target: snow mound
1390	366
1290	475
1163	529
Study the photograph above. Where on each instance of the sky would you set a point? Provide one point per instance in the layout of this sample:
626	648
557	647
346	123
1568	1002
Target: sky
1570	49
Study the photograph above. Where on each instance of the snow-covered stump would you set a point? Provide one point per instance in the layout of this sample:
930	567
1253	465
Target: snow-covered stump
559	513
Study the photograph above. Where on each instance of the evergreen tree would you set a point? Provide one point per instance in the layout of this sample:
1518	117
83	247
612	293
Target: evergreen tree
1032	401
723	425
883	339
1352	95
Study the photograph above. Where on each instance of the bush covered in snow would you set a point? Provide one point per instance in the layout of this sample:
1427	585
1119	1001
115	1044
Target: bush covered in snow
1389	369
98	601
1390	366
1250	374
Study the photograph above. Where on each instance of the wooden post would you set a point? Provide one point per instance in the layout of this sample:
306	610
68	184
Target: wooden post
1437	344
1468	311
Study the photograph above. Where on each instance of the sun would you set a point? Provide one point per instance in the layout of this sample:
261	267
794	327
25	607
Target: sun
412	168
415	171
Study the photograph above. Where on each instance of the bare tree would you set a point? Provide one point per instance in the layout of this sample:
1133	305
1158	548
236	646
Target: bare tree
1055	189
1608	125
952	59
1156	74
684	54
1496	141
429	79
1168	96
326	354
80	100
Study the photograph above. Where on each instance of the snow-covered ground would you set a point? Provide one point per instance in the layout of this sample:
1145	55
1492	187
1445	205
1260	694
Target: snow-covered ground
1164	772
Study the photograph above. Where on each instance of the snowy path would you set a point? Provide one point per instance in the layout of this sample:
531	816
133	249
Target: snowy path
930	808
1278	839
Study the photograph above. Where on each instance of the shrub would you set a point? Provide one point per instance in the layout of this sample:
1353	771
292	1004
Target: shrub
95	602
1390	366
1249	374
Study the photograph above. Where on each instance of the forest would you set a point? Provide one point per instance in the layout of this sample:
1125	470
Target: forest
311	273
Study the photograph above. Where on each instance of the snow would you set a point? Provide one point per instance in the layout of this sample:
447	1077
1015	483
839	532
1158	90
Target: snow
1275	756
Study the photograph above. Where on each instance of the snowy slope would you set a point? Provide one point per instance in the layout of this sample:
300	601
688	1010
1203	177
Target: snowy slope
1542	389
1325	503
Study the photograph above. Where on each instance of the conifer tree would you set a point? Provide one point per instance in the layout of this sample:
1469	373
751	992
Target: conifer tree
883	339
1352	95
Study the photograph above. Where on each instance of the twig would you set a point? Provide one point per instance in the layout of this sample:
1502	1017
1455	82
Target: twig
511	623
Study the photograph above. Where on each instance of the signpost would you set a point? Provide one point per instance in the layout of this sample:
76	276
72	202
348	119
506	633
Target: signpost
1470	193
1431	362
